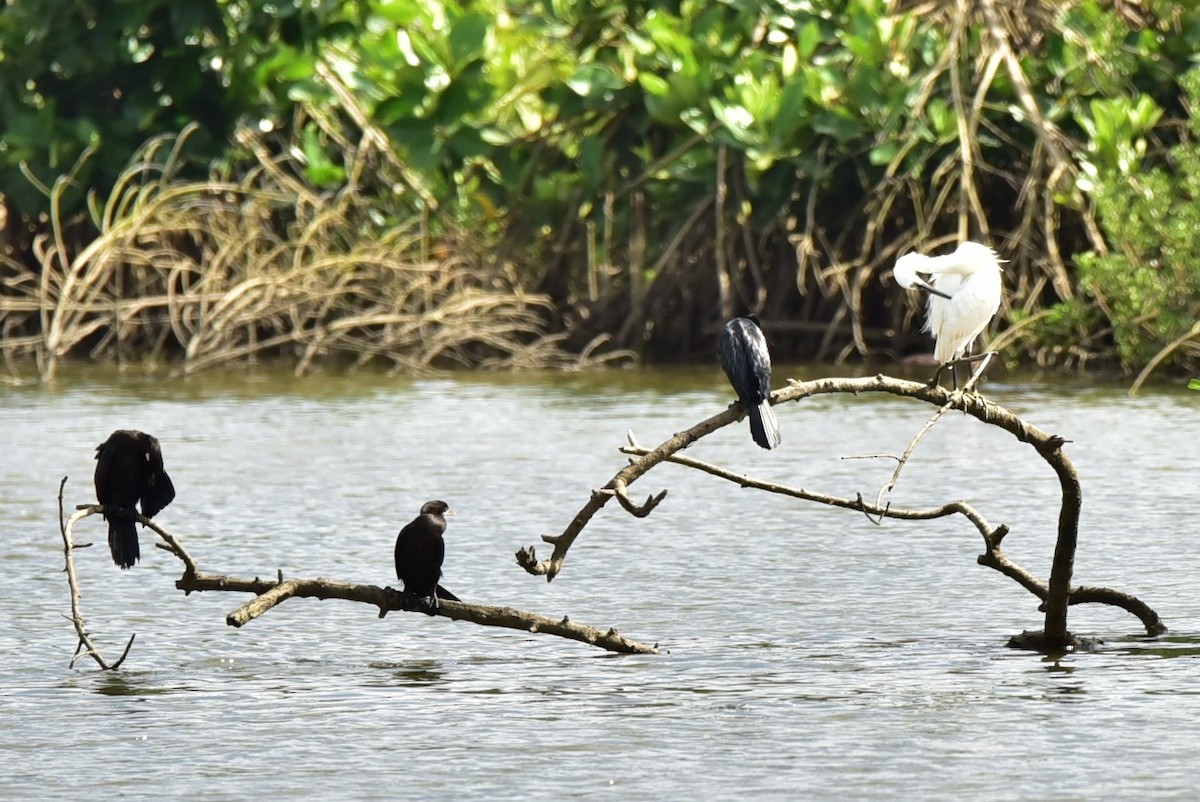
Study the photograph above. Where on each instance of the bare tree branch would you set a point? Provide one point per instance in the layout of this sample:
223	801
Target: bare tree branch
271	592
1056	594
86	645
527	557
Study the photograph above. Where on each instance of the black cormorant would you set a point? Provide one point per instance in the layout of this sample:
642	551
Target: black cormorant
747	363
419	553
129	468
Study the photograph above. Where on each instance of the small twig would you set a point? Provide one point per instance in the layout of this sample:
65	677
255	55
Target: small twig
549	568
632	507
956	399
172	545
1166	351
857	503
86	646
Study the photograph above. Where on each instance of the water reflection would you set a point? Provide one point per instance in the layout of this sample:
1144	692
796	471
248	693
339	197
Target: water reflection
420	673
128	683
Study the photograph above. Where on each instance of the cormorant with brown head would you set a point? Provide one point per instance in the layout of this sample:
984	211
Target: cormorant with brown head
419	554
129	469
747	363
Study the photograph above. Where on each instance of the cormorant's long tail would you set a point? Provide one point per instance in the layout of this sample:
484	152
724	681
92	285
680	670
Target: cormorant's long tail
763	425
123	540
442	593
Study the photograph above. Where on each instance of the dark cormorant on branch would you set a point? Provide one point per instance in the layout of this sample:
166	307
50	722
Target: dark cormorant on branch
747	363
129	468
419	554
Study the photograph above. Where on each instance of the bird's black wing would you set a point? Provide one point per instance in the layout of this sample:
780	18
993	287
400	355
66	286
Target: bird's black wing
759	359
734	362
158	491
419	554
103	471
401	555
428	554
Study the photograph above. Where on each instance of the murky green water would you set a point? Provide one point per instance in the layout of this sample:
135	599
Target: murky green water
812	655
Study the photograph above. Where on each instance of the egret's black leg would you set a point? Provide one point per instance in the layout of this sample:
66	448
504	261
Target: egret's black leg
937	375
962	360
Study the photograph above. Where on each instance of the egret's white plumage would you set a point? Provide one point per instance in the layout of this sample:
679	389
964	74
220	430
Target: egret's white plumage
964	294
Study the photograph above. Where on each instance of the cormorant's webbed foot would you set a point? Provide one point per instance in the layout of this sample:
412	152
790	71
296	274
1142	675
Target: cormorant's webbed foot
428	604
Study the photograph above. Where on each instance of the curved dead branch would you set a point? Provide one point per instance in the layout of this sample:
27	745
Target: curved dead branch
271	592
527	557
86	645
1056	595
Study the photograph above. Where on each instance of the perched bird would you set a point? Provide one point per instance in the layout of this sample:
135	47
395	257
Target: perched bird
419	554
964	294
747	363
129	469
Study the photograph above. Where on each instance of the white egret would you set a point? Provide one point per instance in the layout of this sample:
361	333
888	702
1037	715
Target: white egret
964	294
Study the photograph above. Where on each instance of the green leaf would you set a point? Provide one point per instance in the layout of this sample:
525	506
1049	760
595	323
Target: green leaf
1194	384
809	38
321	170
653	84
594	80
397	108
884	154
790	61
467	142
401	14
455	103
466	40
591	154
418	141
735	118
790	115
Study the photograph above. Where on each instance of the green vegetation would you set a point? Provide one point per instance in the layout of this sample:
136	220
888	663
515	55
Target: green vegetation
1148	286
647	169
